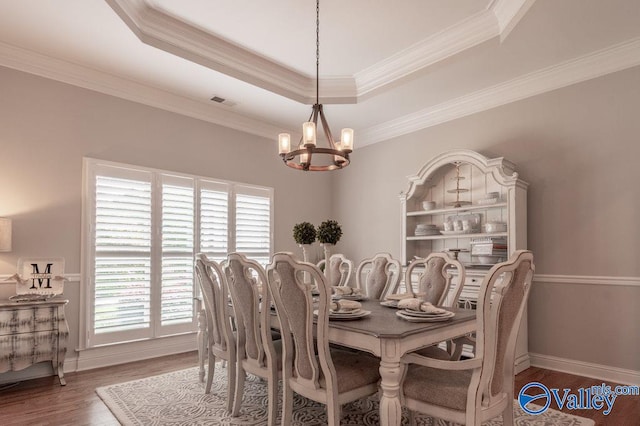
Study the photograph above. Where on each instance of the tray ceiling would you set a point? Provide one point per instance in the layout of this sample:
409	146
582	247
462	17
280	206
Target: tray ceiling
386	68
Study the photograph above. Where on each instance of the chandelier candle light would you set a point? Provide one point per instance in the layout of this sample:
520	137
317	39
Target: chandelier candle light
302	158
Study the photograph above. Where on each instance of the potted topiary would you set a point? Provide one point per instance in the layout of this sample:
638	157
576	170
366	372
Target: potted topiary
304	233
329	233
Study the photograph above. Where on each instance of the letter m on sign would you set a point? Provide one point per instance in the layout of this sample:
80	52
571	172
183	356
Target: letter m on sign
41	277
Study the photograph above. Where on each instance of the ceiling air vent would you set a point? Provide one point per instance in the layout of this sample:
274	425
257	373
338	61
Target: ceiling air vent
223	101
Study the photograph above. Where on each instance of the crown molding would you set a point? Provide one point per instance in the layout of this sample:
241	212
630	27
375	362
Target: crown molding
508	13
464	35
89	78
158	27
596	64
616	58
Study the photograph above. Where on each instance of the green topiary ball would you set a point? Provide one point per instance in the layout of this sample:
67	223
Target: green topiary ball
304	233
329	232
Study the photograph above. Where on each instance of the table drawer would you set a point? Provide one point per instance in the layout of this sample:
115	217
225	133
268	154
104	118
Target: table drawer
28	320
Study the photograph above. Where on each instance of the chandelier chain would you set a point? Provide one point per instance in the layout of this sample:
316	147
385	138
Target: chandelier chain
317	51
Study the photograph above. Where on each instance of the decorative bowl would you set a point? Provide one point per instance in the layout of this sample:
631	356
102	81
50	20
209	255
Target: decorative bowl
428	205
495	227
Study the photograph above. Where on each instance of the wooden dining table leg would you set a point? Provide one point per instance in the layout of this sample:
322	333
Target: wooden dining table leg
391	372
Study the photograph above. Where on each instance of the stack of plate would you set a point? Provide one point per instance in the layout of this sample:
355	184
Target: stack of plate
419	316
423	229
346	315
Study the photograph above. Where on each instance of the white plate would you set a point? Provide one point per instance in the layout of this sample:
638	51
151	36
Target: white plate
360	313
402	315
421	314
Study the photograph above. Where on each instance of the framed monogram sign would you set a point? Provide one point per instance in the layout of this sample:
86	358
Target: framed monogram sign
40	277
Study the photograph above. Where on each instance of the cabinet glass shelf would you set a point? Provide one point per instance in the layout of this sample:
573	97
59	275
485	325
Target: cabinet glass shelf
457	209
457	236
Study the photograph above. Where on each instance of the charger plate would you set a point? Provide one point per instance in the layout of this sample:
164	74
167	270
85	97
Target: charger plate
404	316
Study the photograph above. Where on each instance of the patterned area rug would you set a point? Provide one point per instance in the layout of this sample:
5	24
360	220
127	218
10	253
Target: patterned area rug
178	398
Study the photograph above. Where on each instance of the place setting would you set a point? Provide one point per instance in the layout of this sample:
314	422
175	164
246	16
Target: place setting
392	300
347	293
416	310
345	310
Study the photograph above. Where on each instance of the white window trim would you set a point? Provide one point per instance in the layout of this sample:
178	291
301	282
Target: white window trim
90	166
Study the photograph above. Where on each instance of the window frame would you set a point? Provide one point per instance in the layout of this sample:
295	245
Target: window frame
94	167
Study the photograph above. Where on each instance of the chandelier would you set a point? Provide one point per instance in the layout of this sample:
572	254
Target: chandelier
307	155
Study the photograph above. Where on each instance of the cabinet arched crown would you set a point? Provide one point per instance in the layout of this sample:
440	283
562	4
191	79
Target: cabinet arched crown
458	182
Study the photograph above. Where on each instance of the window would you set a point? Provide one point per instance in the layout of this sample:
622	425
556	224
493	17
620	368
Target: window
142	228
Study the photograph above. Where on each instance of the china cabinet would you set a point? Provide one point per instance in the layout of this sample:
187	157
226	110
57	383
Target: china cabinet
474	208
33	332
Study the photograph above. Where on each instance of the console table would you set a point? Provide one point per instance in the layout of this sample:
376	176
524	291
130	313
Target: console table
33	332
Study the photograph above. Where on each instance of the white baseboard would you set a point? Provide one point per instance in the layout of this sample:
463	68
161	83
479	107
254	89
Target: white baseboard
586	369
522	363
105	356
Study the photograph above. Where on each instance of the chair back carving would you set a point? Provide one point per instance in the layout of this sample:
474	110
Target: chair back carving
381	275
435	280
339	270
295	309
502	299
247	281
214	292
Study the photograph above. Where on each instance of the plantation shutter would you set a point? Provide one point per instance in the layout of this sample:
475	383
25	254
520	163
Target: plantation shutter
122	238
141	230
178	225
253	223
214	219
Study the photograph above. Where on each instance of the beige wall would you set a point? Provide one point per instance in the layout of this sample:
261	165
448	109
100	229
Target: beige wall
46	128
578	147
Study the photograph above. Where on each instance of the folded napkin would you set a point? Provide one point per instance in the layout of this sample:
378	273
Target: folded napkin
398	296
343	306
414	304
345	290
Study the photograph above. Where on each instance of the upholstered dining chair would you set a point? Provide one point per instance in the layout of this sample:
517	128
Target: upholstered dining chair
339	270
220	335
434	279
475	390
378	276
257	353
434	284
310	367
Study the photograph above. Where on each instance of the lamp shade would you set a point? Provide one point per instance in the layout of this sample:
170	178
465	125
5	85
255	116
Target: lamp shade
5	234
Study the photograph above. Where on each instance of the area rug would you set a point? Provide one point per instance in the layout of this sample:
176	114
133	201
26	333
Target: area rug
178	398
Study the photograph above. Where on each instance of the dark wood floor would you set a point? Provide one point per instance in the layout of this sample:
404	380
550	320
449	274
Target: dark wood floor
44	402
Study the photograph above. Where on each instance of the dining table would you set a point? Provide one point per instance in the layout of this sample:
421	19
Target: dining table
388	337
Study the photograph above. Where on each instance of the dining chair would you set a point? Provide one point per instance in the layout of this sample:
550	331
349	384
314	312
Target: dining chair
339	269
257	353
435	279
378	276
220	336
475	390
434	285
310	367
